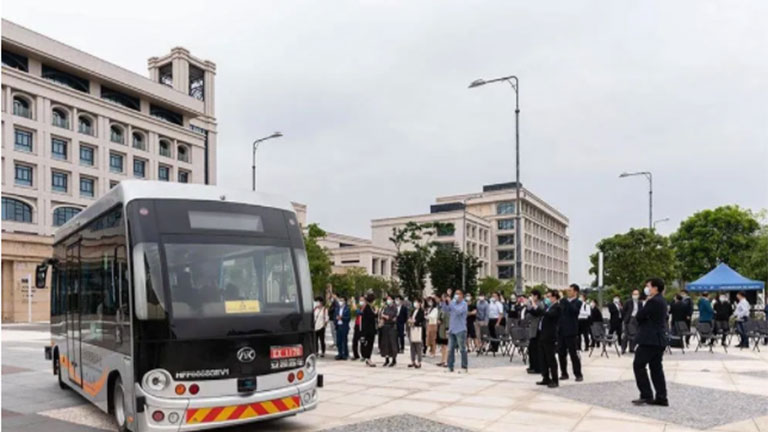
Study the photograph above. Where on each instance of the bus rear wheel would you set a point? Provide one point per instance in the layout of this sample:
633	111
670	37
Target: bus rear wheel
118	405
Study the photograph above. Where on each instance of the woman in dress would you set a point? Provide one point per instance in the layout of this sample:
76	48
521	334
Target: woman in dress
416	323
367	329
389	347
433	313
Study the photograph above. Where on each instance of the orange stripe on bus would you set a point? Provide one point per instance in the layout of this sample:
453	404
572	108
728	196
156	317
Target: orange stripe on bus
237	412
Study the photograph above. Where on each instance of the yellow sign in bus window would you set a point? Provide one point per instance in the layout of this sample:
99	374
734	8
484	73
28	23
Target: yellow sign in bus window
242	306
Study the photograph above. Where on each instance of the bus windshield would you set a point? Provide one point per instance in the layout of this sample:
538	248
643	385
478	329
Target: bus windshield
220	280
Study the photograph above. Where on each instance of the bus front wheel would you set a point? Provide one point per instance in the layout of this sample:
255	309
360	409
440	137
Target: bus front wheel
118	405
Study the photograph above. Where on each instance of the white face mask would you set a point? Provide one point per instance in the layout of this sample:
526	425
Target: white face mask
397	302
647	291
723	299
389	302
362	302
493	300
417	305
616	300
635	297
481	298
341	303
469	299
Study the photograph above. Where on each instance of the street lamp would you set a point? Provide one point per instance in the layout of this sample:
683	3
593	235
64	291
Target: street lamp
649	176
256	147
659	221
513	82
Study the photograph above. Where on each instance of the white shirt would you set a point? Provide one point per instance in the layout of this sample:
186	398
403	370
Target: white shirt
585	311
635	305
742	310
321	317
432	316
495	309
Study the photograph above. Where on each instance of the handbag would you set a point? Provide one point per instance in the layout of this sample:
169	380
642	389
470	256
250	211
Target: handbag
415	335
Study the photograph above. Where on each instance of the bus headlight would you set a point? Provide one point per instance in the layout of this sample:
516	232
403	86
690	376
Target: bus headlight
157	380
309	364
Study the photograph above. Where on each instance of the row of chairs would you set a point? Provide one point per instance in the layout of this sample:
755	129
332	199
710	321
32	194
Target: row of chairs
708	334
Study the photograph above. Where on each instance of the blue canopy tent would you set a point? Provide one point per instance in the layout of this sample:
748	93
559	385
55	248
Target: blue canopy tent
724	278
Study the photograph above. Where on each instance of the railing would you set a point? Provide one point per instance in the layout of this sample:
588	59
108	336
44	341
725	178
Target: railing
85	129
61	122
22	111
116	138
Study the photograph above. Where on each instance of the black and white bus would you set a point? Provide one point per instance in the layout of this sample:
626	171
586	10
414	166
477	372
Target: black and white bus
180	307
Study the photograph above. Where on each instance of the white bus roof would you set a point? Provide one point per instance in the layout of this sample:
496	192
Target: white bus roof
129	190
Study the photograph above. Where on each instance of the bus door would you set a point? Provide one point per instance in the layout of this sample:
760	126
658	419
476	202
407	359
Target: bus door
73	313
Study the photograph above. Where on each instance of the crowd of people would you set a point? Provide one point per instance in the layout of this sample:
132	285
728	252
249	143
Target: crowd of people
559	325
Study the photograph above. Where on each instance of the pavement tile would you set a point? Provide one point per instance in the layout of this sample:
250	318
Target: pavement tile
598	424
410	406
472	412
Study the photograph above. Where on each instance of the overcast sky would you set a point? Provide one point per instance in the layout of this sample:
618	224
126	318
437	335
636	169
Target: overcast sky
372	98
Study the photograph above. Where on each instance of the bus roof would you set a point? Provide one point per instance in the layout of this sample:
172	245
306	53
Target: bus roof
129	190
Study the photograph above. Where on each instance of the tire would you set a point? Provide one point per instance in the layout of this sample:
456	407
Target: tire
118	410
57	367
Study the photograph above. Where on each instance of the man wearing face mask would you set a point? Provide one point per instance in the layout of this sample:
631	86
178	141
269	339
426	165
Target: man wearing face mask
547	338
457	329
342	328
495	315
631	307
535	310
616	318
321	320
585	314
689	310
569	333
402	319
481	317
651	343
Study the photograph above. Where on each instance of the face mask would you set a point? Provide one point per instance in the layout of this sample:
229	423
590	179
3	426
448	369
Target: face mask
616	300
493	300
417	305
481	298
469	299
647	291
547	301
592	305
341	303
389	302
317	304
397	302
513	299
635	297
456	298
362	302
722	299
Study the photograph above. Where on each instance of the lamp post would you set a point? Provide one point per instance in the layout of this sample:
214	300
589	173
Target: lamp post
256	147
659	221
649	176
513	82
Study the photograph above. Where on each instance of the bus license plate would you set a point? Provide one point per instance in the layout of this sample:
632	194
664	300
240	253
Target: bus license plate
285	352
246	384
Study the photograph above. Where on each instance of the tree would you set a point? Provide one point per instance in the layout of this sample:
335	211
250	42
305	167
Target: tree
319	260
726	234
355	282
445	270
755	264
631	258
412	271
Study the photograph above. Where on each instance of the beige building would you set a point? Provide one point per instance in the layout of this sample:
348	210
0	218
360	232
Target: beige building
353	252
467	231
73	126
544	230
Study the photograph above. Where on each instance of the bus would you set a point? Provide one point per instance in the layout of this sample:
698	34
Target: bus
179	307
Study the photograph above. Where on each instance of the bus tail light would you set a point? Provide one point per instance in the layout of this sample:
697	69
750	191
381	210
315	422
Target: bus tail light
291	377
194	389
180	389
300	375
158	416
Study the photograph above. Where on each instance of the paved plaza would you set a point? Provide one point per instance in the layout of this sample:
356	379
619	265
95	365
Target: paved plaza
708	391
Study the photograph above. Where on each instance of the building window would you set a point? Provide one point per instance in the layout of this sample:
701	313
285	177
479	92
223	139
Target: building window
506	240
62	215
166	114
165	148
85	125
23	175
505	208
21	107
139	168
164	173
17	211
86	155
165	75
120	98
86	186
196	83
506	255
66	79
183	177
22	140
445	229
116	162
58	148
182	153
59	181
506	272
138	141
506	224
116	134
16	61
60	118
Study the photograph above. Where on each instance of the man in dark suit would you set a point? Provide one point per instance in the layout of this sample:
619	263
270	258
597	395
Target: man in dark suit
568	340
616	312
688	302
651	343
534	312
342	328
547	338
402	319
631	307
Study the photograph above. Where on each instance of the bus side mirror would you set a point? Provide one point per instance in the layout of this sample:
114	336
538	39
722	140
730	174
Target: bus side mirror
41	271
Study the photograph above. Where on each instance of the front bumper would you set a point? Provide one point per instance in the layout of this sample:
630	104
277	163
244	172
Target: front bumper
216	412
